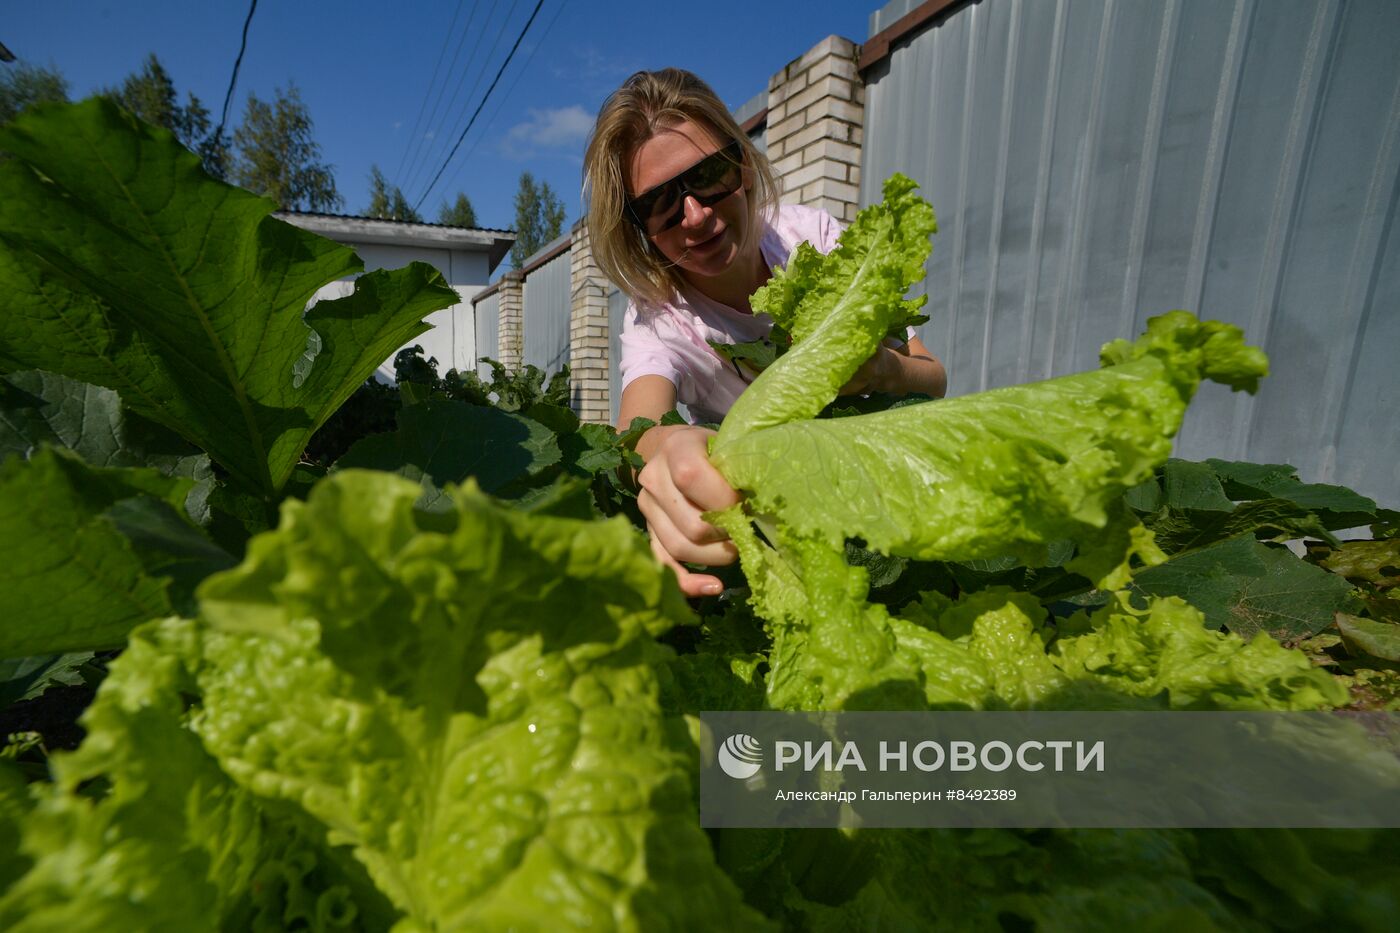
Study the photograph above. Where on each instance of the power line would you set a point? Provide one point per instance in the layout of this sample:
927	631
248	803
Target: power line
447	37
494	82
496	112
233	81
422	144
453	117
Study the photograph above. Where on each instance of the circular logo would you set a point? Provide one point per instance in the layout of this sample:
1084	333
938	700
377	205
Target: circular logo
741	756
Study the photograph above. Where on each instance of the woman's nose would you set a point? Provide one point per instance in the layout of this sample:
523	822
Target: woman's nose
694	211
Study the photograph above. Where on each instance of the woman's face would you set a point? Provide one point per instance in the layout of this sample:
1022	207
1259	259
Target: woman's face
706	241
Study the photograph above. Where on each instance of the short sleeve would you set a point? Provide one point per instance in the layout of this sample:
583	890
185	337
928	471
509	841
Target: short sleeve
829	230
643	352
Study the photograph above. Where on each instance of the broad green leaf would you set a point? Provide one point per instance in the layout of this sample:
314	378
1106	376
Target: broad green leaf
124	266
1248	588
168	546
1179	530
1188	485
592	449
69	579
470	700
442	441
27	678
38	408
1337	506
174	844
1376	638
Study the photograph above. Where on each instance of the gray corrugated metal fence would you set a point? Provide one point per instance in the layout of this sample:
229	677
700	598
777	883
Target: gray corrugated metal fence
488	324
617	305
546	315
1095	162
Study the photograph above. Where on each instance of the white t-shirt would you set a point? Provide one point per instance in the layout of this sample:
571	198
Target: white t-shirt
671	341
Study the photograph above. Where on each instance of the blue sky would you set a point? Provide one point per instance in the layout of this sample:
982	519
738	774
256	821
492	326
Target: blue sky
366	71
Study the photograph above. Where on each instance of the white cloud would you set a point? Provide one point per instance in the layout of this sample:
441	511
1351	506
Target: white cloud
549	129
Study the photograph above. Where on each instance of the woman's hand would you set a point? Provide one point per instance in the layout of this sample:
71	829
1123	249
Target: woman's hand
875	374
678	485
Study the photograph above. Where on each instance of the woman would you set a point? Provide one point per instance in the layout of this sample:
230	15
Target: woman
683	217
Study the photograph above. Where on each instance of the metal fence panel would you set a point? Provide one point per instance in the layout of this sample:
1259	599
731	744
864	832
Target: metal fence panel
546	315
1096	162
617	306
488	324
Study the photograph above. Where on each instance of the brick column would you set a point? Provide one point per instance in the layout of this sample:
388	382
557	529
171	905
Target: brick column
816	113
588	330
510	332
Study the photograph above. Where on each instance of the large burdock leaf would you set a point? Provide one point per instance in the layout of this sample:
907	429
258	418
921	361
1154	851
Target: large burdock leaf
39	408
123	265
69	579
444	441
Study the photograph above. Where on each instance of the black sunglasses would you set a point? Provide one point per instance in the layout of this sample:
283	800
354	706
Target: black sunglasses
708	181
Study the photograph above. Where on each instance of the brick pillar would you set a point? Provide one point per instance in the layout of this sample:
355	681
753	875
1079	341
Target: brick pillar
588	330
510	333
816	113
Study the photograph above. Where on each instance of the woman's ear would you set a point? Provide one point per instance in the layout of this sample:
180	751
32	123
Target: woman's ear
747	176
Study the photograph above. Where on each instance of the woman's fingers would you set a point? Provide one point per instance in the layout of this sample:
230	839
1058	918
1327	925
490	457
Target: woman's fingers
678	485
682	468
691	584
692	540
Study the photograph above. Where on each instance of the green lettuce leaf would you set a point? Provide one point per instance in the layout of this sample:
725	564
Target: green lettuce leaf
470	700
171	844
838	308
125	266
1005	471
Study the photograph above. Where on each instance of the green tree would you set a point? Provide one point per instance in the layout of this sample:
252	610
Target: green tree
24	84
387	201
539	218
459	213
150	94
277	156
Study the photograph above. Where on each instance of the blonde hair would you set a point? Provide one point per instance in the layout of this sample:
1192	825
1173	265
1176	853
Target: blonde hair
647	102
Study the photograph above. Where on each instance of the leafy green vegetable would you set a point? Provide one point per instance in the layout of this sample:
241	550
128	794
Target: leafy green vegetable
1374	562
1378	639
174	844
458	709
125	266
837	307
1007	470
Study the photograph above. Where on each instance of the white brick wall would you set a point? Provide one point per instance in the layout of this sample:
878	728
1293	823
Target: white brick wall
815	115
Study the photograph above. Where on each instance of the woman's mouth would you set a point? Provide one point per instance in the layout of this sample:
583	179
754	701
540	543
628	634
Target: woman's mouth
707	245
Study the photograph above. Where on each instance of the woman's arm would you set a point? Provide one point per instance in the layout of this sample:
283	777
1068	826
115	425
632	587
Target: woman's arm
900	371
678	484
